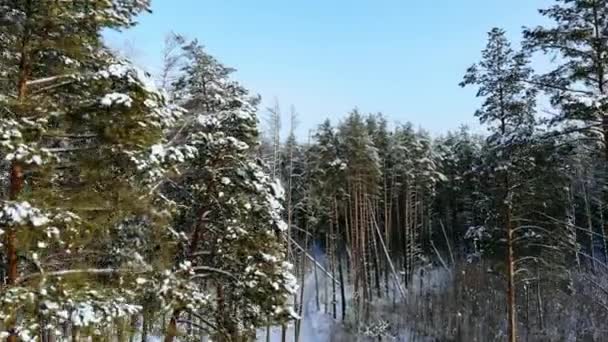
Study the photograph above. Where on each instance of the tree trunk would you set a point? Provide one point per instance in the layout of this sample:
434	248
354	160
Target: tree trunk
144	327
539	302
387	227
342	285
283	333
298	324
589	225
172	328
602	225
571	217
327	264
512	324
332	256
339	253
16	185
196	237
527	301
376	259
289	211
406	249
317	300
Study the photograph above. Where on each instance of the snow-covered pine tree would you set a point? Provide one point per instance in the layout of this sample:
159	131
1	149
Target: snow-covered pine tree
205	84
293	176
508	109
578	84
519	162
414	174
293	164
81	130
231	211
378	129
325	169
401	199
460	199
578	87
362	176
327	195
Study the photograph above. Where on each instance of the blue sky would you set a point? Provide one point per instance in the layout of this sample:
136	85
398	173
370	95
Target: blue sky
403	58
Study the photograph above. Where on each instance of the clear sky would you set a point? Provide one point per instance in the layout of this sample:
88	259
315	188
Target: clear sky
404	58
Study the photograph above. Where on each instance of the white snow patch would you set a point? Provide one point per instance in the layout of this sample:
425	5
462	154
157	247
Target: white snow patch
116	99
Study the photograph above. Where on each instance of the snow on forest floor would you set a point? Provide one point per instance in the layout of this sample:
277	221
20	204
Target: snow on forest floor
317	323
319	326
441	305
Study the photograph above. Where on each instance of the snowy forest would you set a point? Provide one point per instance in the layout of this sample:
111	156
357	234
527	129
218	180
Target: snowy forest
172	206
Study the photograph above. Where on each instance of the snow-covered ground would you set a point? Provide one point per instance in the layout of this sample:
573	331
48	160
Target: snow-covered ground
318	326
315	324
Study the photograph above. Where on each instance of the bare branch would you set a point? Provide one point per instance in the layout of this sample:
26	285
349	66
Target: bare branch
49	79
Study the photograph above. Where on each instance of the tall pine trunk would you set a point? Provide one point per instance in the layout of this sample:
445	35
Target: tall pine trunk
16	182
339	257
332	256
511	308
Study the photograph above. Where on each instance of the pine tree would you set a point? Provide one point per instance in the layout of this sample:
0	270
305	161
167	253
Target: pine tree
205	84
80	129
328	193
508	108
578	87
231	214
578	84
362	177
460	198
